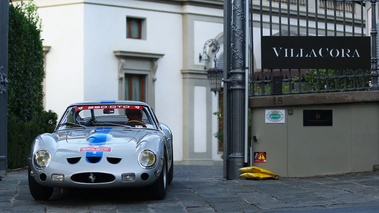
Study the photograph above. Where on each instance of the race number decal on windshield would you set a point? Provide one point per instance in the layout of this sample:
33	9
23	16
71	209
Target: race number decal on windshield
118	106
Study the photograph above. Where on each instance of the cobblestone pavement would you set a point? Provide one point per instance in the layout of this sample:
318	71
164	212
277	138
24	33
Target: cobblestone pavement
202	189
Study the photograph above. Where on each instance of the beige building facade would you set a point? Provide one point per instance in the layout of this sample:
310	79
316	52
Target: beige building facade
137	50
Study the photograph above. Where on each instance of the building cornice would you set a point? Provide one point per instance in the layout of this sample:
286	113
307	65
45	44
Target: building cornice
194	74
130	54
208	5
314	99
203	3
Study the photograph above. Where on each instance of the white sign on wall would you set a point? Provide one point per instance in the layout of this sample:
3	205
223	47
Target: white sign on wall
275	116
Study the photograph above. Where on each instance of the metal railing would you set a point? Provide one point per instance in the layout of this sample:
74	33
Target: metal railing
309	18
341	6
293	2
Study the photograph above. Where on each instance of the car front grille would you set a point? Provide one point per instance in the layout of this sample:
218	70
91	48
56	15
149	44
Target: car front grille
93	177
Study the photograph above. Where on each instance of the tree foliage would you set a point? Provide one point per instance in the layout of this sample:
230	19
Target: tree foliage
25	65
26	116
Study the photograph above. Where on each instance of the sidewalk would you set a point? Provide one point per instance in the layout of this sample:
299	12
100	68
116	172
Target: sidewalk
202	189
337	193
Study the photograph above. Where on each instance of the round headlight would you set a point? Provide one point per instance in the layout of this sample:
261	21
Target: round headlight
147	158
41	159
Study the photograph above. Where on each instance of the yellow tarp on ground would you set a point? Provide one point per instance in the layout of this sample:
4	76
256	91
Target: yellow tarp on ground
253	172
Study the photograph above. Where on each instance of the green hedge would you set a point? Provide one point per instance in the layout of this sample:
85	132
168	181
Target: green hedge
26	117
25	64
22	134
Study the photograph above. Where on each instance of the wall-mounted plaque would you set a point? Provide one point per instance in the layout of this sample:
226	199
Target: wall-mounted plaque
317	118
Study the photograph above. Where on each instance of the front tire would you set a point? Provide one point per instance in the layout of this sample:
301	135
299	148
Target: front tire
38	191
171	173
159	189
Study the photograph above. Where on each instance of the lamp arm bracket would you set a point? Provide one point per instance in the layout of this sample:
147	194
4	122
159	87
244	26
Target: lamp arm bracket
226	80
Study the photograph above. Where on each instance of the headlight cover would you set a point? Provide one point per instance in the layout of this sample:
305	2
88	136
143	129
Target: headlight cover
41	159
147	158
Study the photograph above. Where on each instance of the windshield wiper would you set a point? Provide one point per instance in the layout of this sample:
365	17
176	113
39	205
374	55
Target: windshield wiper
74	124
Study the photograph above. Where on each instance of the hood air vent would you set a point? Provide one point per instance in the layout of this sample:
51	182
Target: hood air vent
113	160
73	160
93	159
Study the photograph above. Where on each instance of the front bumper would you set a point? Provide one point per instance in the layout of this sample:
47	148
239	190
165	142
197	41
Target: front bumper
95	176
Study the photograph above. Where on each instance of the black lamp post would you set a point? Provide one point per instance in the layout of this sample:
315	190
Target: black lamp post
234	88
4	17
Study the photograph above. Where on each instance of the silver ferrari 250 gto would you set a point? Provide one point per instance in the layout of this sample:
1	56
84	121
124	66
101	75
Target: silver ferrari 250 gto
108	144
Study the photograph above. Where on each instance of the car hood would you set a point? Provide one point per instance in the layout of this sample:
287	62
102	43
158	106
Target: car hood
101	136
94	143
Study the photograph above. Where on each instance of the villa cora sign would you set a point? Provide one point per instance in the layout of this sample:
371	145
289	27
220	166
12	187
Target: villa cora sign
311	52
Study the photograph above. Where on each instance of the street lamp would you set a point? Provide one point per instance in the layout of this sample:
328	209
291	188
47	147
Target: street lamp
215	74
215	79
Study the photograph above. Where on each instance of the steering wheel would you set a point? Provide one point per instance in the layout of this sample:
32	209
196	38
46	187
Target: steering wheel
134	123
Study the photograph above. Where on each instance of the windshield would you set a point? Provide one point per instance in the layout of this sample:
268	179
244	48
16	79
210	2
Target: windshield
131	116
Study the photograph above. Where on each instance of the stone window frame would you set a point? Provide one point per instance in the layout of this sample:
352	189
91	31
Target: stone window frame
138	63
